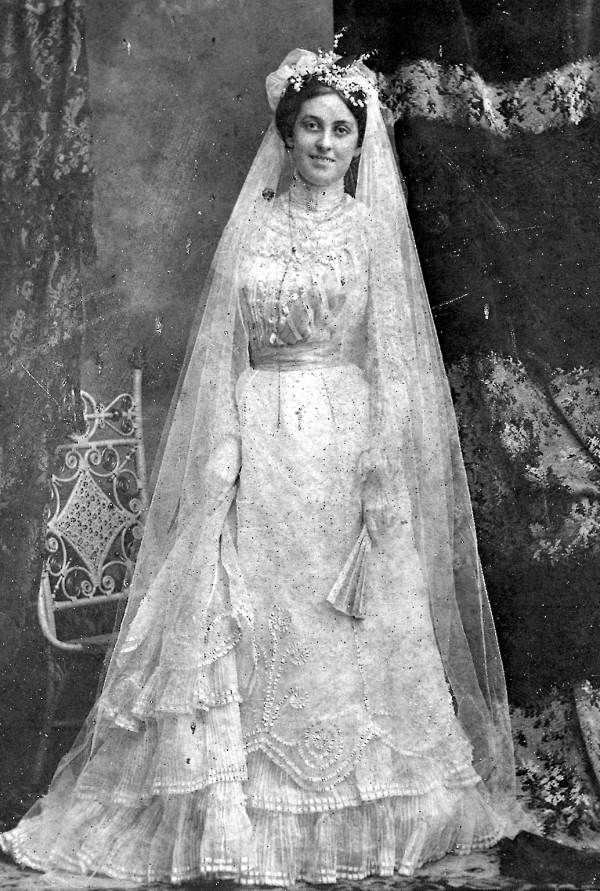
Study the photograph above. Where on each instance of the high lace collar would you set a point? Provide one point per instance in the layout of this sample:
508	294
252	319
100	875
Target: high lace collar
316	200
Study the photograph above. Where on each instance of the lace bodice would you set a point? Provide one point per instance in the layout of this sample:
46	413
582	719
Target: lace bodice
304	278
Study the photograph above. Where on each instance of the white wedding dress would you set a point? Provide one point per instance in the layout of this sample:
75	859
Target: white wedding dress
356	761
353	762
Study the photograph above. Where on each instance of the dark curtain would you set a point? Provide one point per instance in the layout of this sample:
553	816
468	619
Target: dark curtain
507	230
496	107
517	255
45	220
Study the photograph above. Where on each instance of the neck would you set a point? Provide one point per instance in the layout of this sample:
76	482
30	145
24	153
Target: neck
315	198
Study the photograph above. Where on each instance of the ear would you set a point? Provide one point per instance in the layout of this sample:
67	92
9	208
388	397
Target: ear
289	144
357	151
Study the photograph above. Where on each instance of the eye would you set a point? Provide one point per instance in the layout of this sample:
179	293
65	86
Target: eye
342	130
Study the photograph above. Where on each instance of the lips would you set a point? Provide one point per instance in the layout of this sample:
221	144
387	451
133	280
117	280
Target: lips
322	158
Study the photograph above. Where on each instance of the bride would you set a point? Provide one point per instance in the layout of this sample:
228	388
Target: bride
306	684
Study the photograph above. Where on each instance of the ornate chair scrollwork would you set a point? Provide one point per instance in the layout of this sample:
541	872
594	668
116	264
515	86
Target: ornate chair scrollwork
99	495
93	533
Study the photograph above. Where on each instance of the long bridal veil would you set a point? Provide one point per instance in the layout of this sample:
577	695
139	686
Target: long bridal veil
188	612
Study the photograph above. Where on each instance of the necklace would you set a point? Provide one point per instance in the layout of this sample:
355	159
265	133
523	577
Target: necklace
319	201
310	203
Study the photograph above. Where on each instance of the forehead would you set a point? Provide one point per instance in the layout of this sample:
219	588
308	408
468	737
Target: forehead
328	107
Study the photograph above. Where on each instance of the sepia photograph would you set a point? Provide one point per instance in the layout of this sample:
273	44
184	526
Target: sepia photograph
300	444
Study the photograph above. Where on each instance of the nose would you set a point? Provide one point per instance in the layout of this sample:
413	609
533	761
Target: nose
324	141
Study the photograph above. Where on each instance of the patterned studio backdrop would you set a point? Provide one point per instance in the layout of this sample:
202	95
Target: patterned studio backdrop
45	220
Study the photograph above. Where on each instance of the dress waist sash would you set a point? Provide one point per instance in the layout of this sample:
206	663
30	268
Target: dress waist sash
300	355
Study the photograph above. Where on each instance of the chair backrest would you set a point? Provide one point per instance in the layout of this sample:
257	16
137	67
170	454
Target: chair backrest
99	497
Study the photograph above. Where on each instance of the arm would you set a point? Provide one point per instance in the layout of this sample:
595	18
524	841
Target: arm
225	459
386	503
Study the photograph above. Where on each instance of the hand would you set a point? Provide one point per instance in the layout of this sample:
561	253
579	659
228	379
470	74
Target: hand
296	320
386	503
380	513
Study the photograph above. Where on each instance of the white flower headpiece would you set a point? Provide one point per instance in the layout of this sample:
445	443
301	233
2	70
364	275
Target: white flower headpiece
355	82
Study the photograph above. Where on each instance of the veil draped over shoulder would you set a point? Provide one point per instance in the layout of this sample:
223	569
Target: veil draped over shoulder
189	614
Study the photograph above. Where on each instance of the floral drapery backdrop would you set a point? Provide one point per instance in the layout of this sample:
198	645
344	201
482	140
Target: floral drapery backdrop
45	232
458	93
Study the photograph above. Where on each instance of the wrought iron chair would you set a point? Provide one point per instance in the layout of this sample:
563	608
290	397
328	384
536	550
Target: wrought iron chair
99	494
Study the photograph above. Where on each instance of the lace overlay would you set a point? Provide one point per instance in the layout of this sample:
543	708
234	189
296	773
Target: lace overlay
311	744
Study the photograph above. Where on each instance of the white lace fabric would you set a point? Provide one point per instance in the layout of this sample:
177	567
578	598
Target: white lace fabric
292	696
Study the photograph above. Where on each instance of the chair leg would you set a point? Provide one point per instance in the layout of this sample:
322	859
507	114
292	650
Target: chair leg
55	683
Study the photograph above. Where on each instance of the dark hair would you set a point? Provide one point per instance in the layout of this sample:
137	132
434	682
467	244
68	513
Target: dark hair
291	102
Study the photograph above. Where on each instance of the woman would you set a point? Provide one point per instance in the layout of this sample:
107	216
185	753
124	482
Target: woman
307	683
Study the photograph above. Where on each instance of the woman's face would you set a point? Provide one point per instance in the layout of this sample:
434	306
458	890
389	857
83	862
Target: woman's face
325	140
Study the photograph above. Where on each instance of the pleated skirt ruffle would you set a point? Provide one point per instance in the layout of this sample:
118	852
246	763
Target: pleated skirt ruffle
213	834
